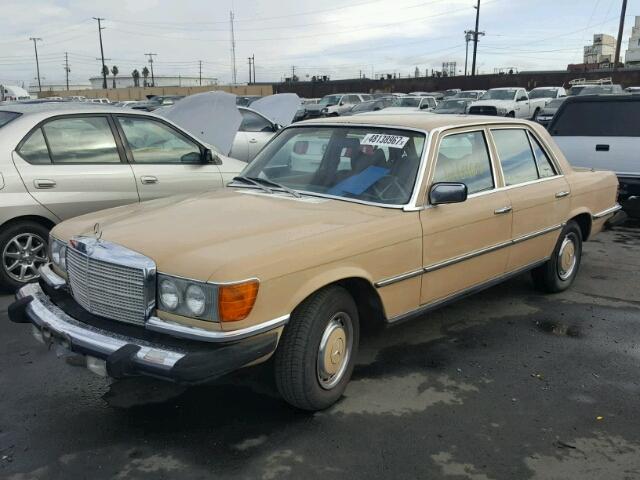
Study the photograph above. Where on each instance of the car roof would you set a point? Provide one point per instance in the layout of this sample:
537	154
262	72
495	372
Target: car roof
602	98
507	88
412	119
57	107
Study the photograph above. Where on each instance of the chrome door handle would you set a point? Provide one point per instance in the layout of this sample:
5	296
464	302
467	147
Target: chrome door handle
148	180
44	183
502	210
562	194
253	140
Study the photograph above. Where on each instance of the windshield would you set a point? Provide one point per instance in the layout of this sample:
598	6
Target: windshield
6	117
555	103
369	164
596	90
499	95
363	107
543	93
330	100
456	105
466	95
407	102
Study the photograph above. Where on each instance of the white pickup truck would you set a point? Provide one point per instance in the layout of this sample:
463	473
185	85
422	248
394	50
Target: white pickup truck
508	102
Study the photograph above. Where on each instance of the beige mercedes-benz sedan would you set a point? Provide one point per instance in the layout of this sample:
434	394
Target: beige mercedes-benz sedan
335	224
60	160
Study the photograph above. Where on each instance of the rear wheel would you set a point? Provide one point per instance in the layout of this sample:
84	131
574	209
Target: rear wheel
559	272
535	115
317	350
23	249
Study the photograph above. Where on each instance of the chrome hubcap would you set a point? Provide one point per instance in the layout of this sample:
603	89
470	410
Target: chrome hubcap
23	255
567	259
334	352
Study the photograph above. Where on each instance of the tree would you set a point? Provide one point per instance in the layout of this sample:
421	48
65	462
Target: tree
105	72
136	77
114	71
145	74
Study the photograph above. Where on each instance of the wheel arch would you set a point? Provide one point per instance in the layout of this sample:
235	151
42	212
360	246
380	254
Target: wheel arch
584	221
44	221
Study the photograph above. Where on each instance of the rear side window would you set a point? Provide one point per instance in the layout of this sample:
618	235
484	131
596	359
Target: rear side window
464	158
516	157
34	149
81	140
252	122
6	117
545	167
598	119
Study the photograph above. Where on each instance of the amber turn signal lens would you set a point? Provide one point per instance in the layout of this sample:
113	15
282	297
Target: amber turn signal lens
235	302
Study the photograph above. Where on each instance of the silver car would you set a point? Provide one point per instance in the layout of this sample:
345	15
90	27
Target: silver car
62	160
254	133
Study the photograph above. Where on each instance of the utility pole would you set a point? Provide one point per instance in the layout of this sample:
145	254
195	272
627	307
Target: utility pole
200	74
66	67
475	40
250	69
234	71
253	65
151	55
104	70
623	13
468	35
35	41
293	72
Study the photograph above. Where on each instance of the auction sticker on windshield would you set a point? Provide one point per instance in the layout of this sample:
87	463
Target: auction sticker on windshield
381	140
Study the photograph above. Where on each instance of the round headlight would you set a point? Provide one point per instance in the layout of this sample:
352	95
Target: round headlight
169	296
196	300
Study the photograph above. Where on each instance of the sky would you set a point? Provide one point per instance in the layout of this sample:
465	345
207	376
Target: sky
338	38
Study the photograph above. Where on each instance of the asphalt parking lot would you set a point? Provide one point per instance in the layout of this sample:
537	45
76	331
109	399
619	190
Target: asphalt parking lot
508	384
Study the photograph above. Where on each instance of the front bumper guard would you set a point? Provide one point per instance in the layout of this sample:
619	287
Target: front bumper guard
127	356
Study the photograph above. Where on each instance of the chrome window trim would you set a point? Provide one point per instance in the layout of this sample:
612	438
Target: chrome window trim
596	216
467	256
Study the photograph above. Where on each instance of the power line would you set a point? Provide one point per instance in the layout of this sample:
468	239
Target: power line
35	47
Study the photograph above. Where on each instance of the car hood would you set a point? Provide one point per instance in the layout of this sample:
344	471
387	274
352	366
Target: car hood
493	103
236	233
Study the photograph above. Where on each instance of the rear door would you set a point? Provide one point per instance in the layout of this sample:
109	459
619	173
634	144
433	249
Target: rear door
254	133
73	165
601	134
165	161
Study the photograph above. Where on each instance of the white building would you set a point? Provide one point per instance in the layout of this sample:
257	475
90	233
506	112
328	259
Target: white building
126	81
602	51
57	87
632	56
13	92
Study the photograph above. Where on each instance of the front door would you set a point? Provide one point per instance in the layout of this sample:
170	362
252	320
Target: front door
538	194
72	165
465	244
165	161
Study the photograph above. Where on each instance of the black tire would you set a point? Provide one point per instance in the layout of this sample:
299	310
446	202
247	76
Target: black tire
555	276
7	234
296	364
511	115
535	115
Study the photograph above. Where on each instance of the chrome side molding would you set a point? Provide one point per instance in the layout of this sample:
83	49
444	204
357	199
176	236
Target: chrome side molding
608	211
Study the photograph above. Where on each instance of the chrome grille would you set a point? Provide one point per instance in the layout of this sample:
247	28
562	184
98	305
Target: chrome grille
110	290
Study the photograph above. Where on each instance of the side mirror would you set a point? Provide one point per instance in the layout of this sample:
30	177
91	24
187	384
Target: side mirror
341	104
210	158
522	99
445	192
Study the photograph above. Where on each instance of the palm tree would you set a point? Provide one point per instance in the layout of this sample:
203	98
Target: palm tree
145	74
105	72
136	77
114	71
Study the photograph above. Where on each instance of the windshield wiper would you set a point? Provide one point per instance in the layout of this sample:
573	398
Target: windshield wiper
263	181
252	181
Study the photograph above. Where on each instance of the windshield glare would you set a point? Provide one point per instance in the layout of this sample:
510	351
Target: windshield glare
499	95
369	164
330	100
543	93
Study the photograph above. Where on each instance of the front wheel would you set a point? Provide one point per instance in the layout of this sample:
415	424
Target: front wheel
559	272
511	115
315	358
23	249
535	115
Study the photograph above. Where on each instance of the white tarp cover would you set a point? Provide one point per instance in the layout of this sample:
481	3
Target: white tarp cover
279	108
213	117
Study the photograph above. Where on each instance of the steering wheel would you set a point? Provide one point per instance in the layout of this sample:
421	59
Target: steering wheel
386	185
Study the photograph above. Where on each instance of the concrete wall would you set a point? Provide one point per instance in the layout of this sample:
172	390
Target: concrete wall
528	80
141	93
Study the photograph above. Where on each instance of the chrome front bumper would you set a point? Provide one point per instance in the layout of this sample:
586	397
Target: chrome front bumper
192	356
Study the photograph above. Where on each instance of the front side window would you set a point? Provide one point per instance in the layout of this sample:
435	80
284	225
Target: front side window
376	165
516	157
81	140
252	122
34	149
151	141
464	158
